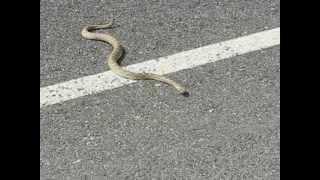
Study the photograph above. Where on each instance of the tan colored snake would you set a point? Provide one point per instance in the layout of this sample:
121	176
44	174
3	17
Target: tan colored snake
117	52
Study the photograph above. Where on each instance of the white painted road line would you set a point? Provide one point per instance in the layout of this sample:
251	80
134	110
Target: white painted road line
76	88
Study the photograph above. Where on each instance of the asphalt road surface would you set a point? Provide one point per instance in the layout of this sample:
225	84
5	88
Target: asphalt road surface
228	128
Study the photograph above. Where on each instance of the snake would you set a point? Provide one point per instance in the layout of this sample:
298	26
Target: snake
117	52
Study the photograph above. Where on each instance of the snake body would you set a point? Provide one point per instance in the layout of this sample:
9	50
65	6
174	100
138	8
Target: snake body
116	54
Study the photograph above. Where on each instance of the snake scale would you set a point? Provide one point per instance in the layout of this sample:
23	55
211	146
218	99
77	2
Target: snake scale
116	54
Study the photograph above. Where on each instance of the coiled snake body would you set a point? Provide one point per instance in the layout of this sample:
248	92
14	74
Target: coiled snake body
117	52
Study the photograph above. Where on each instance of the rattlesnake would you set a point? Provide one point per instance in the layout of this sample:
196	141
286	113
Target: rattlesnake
117	53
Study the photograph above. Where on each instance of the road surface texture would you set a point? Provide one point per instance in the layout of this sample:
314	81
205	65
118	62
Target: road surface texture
228	128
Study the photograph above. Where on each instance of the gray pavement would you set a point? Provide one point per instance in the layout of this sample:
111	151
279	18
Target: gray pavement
229	128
